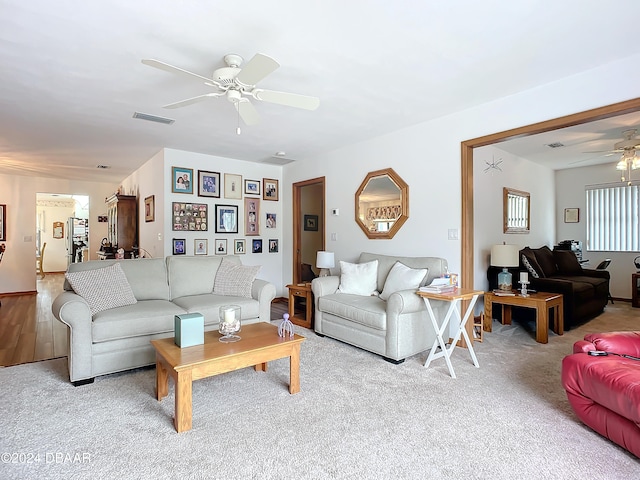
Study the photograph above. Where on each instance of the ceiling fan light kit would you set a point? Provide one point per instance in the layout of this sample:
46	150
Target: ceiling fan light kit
237	84
629	160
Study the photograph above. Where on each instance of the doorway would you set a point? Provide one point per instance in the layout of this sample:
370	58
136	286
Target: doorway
308	227
467	265
62	223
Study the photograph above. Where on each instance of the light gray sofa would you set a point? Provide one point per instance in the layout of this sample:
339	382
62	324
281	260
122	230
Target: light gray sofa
118	338
395	329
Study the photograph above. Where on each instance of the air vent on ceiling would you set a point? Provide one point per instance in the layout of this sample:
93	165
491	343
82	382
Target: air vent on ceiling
153	118
555	145
277	160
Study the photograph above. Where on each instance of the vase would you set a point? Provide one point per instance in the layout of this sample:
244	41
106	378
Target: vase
505	279
229	323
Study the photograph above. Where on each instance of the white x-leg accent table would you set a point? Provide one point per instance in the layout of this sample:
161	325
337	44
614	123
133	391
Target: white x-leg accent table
454	298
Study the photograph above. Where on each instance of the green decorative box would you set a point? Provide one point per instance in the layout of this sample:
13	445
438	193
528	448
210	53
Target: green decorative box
189	329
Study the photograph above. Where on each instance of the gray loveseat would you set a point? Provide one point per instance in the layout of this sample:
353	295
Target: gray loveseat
396	328
118	338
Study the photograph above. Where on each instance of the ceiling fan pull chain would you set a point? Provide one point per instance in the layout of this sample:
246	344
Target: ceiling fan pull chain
238	109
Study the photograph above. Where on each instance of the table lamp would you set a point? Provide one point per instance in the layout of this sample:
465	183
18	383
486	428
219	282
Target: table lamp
504	256
325	261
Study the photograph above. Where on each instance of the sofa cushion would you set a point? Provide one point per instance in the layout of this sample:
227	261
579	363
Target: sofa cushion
437	266
528	260
102	288
235	280
208	304
147	317
358	278
402	277
544	255
193	275
365	310
567	262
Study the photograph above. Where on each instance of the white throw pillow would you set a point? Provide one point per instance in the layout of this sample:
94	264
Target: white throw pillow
234	279
402	277
102	288
359	278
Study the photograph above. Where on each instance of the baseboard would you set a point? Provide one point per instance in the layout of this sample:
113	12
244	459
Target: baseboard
13	294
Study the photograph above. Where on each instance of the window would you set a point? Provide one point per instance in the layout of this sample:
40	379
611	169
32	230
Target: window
613	217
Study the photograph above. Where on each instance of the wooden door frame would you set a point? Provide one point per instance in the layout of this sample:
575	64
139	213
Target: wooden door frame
297	224
467	228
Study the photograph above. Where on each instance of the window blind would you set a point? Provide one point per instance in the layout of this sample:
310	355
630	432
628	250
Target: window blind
613	217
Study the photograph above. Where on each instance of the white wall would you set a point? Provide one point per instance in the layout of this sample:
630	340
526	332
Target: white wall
17	270
427	157
570	192
520	174
155	178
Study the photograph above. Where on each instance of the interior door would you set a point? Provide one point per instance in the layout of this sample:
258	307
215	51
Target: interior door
308	226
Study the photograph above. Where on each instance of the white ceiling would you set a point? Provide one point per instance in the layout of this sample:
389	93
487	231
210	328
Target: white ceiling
72	76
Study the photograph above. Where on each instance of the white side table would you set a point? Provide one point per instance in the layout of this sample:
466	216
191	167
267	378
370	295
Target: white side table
454	298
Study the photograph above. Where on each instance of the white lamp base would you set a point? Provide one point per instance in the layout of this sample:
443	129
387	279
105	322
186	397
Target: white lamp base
324	272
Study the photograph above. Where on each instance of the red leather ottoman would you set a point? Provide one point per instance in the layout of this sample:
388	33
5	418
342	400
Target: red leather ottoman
604	391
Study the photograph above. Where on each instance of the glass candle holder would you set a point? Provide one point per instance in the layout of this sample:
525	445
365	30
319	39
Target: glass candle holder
229	323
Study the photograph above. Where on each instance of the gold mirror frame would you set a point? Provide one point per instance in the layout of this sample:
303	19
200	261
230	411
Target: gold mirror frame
516	208
402	204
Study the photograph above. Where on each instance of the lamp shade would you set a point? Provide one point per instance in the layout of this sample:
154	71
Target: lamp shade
325	260
504	256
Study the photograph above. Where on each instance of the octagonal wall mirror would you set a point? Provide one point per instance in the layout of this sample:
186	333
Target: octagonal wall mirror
382	204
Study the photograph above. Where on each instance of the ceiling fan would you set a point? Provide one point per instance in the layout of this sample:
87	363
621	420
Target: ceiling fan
237	84
627	147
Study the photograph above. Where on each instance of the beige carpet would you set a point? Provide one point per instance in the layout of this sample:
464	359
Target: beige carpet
357	416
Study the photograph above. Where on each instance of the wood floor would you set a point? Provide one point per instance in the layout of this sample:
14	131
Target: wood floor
29	332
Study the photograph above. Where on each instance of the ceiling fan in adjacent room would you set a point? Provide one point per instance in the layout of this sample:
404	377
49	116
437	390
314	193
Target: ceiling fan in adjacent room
238	85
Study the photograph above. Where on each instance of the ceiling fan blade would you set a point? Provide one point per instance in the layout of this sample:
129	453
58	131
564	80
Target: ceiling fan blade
170	68
256	69
290	99
247	112
191	101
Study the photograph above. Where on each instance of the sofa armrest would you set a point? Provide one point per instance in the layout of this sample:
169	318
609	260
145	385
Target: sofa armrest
264	292
322	286
591	272
73	310
404	301
624	343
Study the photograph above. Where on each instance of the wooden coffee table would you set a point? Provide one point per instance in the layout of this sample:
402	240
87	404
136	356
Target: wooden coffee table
259	344
540	301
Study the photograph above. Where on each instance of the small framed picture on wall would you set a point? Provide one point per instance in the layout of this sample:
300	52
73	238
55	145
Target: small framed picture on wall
179	247
221	246
182	180
571	215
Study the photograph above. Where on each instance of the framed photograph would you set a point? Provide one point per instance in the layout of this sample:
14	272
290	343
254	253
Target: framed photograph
182	180
190	217
239	246
221	246
271	220
311	223
3	223
226	219
270	189
58	230
150	208
252	187
208	184
200	246
571	215
232	186
252	216
273	245
256	245
179	247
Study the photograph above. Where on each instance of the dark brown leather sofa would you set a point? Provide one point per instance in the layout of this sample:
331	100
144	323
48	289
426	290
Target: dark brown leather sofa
585	291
